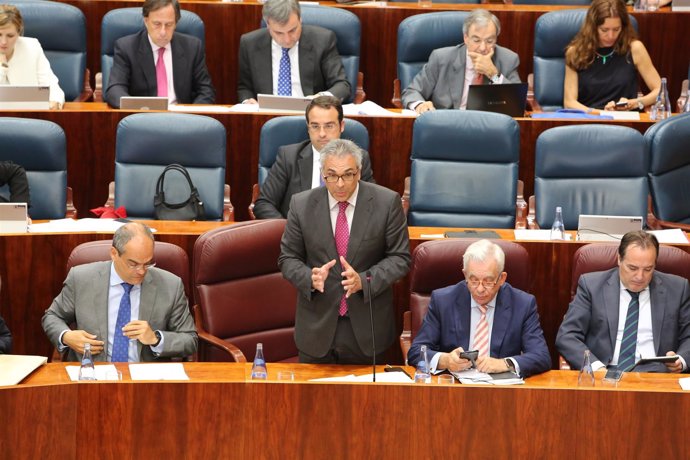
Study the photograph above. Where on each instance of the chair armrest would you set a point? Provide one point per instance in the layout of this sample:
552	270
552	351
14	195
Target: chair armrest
233	352
98	91
228	208
406	336
70	210
532	103
406	195
255	196
683	96
532	214
520	207
563	364
360	95
396	101
87	91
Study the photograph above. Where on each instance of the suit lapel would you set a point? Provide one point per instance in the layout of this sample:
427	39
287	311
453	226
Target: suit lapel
658	302
462	317
305	161
264	65
179	61
146	59
612	306
502	317
360	221
147	300
456	87
322	220
306	66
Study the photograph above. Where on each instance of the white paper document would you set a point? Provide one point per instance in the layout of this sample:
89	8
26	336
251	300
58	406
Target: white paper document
685	383
199	108
670	236
535	235
14	368
384	377
158	371
104	372
244	108
72	226
371	108
622	115
474	377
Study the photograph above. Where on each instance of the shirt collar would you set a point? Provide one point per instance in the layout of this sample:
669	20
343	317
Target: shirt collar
115	279
155	47
332	202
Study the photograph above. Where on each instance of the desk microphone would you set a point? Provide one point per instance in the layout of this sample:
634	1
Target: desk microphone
373	340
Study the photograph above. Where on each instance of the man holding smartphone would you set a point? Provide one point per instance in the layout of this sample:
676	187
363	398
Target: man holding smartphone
628	313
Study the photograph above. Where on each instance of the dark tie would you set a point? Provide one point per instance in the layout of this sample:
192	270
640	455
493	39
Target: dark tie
121	342
626	357
284	78
342	237
161	74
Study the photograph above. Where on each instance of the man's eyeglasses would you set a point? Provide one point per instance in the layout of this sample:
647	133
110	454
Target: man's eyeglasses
347	177
486	283
328	127
135	267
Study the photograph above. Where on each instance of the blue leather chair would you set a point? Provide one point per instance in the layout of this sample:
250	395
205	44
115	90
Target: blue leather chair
61	30
147	142
40	147
418	36
666	144
464	169
121	22
348	31
553	32
590	169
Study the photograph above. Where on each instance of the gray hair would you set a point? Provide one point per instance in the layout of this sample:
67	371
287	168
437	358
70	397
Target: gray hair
280	10
124	234
481	18
340	148
481	251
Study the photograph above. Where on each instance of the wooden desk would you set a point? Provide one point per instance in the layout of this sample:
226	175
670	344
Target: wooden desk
226	21
218	414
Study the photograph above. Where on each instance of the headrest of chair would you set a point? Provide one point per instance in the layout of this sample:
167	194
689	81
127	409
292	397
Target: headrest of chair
420	34
344	24
37	145
57	26
666	144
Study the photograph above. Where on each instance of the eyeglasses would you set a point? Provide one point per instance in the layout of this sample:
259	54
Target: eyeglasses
486	283
347	177
491	41
328	127
135	267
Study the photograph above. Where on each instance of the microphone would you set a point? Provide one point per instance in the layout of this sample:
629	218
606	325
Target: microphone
373	340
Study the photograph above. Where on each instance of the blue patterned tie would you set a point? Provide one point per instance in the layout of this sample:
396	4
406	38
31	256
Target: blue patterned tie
121	342
626	357
284	78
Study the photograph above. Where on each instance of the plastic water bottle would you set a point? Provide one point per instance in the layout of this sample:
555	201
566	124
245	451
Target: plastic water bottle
87	371
586	376
521	214
640	5
423	372
662	107
557	229
259	371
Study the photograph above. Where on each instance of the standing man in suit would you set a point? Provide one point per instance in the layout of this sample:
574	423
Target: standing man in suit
297	166
344	244
159	61
289	59
629	312
126	309
444	81
483	313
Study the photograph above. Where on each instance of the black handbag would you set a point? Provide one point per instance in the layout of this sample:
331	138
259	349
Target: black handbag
190	209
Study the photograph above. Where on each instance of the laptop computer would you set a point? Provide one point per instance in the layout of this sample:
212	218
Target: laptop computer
24	97
680	5
13	218
272	102
143	103
606	228
509	99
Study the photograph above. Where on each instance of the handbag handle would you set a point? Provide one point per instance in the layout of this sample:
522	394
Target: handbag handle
160	184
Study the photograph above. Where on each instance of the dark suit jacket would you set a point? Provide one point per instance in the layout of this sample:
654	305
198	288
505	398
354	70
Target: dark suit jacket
516	332
14	176
5	338
320	66
442	79
134	70
378	243
290	174
591	321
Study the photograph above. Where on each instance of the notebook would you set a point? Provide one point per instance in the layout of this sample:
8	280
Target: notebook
24	97
509	99
13	218
606	228
143	103
271	102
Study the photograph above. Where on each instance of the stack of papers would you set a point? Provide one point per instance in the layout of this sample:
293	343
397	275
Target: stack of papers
143	371
13	368
386	377
474	377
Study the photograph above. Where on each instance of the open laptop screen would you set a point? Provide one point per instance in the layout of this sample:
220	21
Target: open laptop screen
509	99
24	97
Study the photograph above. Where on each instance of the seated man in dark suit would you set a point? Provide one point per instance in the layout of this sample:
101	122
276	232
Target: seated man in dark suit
288	59
483	313
126	309
296	168
629	312
443	82
14	176
159	61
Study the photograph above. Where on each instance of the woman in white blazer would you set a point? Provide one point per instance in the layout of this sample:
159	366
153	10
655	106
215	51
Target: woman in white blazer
22	61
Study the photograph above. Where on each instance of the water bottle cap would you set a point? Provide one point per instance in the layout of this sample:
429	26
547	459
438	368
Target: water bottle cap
558	209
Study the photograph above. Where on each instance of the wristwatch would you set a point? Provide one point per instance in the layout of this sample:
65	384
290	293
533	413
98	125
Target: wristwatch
509	364
159	336
496	78
640	105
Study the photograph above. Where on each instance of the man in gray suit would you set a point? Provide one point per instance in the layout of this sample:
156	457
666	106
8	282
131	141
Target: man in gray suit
629	312
444	80
126	309
296	168
289	59
344	244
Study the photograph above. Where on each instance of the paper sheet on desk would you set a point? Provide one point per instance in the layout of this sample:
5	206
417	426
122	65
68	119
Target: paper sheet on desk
670	236
244	108
14	368
200	108
684	383
103	372
385	377
622	115
73	226
372	108
535	235
158	371
474	377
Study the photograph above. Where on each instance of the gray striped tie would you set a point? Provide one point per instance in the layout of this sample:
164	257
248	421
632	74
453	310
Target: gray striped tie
626	358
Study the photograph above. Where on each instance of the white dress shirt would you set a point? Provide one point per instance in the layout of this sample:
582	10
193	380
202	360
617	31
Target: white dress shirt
316	168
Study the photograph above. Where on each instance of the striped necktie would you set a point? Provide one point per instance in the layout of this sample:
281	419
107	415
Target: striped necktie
626	357
481	335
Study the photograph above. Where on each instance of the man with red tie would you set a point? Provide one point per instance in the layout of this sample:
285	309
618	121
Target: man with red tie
344	244
444	80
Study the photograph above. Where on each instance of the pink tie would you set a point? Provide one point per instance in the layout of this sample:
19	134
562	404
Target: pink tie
342	236
161	74
481	335
478	78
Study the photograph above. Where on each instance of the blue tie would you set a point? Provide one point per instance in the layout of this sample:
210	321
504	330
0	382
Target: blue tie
121	342
626	357
284	79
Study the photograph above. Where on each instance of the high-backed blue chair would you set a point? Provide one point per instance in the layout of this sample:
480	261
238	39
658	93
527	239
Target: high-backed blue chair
147	142
464	169
553	32
590	169
61	30
418	36
280	131
40	147
666	144
121	22
348	32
